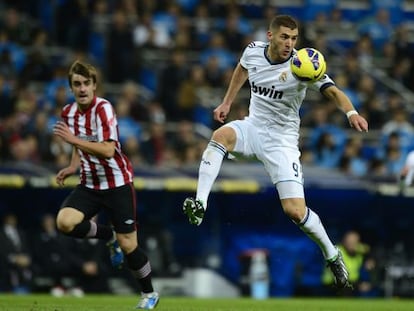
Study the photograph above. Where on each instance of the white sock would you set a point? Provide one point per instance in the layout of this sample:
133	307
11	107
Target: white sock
312	226
209	169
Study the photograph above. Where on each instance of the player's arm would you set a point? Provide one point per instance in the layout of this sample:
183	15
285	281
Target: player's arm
103	150
343	102
239	77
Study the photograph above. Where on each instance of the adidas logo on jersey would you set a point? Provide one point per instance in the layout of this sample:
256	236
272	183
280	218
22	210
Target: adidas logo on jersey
269	92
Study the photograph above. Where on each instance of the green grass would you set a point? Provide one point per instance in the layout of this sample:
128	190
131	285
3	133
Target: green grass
121	303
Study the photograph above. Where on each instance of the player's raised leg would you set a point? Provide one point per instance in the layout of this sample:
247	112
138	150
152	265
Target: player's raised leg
209	169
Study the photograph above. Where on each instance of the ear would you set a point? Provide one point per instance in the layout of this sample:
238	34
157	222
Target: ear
269	35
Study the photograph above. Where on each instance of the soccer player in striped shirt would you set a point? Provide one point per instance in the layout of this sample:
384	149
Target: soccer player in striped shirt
106	175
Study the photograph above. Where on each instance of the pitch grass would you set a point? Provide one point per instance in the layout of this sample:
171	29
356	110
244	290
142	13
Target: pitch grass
121	303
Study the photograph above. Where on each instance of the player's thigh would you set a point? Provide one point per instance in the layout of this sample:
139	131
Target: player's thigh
121	206
282	165
245	137
84	200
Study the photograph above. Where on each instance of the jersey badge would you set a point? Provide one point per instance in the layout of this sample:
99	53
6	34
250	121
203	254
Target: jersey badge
283	76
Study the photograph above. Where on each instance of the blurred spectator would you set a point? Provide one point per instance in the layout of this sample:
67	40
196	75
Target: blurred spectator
184	141
182	38
15	257
154	144
6	107
366	88
232	33
36	69
393	7
156	112
59	80
130	92
171	78
50	256
260	31
327	150
120	50
128	127
16	25
99	31
73	24
365	51
320	124
192	95
167	19
393	153
201	27
351	161
379	28
131	147
89	266
148	35
400	125
43	136
314	7
375	110
218	49
7	68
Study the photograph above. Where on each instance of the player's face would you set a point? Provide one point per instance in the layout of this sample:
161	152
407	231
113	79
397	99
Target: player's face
282	41
83	89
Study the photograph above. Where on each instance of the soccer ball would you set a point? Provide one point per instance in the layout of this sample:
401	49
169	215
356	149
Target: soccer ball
308	64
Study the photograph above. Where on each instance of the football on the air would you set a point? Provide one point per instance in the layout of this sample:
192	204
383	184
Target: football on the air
308	64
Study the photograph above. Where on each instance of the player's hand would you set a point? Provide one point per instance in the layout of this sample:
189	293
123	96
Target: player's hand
63	174
358	122
62	130
221	112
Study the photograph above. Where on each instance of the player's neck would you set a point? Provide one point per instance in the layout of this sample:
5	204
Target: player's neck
272	55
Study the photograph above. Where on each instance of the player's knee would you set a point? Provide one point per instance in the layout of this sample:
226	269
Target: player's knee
225	136
294	209
127	242
66	220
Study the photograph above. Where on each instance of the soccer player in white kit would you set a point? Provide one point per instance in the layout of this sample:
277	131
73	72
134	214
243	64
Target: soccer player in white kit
407	172
271	132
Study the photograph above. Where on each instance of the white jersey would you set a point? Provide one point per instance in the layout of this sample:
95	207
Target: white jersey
409	165
276	95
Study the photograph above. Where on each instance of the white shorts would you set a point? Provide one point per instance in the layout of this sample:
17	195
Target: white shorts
281	162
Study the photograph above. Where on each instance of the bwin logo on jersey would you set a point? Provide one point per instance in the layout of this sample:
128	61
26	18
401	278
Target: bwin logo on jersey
265	91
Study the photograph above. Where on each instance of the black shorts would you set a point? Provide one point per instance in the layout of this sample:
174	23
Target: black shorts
119	204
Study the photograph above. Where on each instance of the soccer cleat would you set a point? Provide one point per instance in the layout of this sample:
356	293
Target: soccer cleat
148	301
194	210
116	254
339	271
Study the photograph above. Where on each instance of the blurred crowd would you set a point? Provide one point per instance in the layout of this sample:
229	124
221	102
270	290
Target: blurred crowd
41	259
165	66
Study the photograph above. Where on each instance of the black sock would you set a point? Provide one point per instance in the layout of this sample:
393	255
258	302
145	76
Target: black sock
81	230
141	269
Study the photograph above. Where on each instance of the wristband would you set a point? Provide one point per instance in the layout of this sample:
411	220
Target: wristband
351	113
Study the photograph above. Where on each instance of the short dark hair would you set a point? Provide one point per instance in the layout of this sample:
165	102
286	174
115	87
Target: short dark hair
283	20
83	69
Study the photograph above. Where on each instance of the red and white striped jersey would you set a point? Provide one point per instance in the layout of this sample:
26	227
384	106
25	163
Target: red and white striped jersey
98	124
